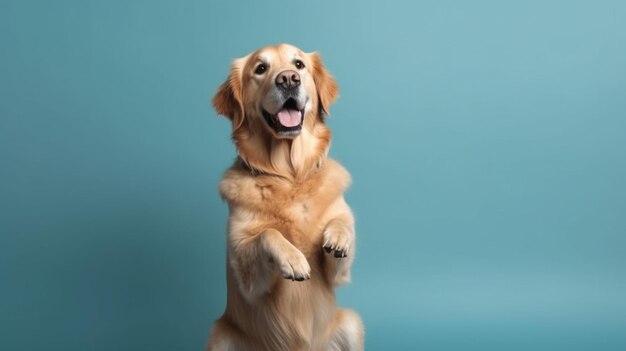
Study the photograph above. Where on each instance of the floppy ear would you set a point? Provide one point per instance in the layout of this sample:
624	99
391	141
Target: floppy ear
327	88
228	101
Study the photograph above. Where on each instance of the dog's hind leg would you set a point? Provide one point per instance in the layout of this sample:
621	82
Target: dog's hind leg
225	338
347	333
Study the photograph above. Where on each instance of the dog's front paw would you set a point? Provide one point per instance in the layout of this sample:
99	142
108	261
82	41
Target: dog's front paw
294	266
337	242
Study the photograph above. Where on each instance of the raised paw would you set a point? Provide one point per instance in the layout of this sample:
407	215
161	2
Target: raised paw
294	266
339	253
336	242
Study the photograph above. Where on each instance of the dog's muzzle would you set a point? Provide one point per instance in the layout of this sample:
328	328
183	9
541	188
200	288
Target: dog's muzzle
287	121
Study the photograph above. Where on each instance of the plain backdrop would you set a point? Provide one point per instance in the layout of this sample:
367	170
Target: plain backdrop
486	140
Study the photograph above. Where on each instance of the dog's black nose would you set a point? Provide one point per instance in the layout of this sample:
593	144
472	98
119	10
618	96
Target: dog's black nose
288	79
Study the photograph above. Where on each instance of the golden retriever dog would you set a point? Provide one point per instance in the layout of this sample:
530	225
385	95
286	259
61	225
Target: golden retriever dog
290	232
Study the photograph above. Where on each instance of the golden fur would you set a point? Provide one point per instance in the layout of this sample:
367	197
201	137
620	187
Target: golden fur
290	231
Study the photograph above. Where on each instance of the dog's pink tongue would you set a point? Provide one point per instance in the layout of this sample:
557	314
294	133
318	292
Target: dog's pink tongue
289	118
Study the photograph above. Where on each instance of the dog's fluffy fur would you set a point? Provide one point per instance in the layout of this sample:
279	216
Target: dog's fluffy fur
290	232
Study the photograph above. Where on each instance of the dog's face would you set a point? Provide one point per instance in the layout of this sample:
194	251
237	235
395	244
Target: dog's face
280	87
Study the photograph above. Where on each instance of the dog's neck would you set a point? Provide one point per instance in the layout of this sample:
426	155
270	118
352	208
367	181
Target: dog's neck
294	159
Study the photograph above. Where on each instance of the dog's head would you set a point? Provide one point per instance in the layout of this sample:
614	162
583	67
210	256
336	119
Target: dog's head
280	87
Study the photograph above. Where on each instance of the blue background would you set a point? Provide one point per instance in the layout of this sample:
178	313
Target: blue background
486	141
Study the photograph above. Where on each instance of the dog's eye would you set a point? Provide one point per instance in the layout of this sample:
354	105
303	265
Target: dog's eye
260	69
299	64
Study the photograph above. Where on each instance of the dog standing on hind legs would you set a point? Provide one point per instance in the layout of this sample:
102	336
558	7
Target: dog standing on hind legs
291	234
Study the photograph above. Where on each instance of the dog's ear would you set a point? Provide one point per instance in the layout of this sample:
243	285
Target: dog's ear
228	101
327	88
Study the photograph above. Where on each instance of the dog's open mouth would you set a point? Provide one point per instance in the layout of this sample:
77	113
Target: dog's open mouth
287	121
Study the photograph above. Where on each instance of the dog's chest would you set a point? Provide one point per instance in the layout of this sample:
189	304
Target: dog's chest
280	202
300	210
294	203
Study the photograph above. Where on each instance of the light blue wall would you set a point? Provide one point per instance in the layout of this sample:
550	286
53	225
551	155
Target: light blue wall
486	140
